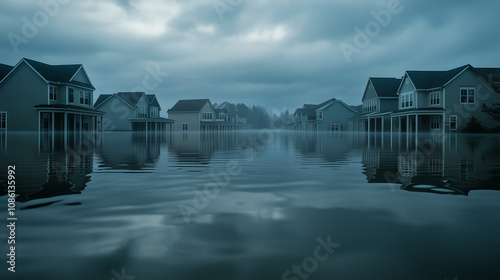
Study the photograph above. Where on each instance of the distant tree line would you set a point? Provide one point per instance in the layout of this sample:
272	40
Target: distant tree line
257	116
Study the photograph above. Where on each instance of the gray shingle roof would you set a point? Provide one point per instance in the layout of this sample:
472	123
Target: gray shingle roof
153	101
101	99
433	79
4	70
191	105
57	73
131	98
386	87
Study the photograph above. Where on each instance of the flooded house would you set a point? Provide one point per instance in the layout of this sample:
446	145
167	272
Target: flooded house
445	100
200	115
331	115
132	111
54	100
380	100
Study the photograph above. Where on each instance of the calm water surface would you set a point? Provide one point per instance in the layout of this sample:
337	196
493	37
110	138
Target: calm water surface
254	205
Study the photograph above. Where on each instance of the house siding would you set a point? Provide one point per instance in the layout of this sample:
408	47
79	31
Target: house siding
335	113
19	98
191	118
117	114
483	95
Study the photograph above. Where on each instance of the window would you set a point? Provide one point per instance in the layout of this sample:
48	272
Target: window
206	116
53	93
334	127
435	122
142	111
406	100
370	105
153	112
453	122
467	95
71	95
84	97
434	98
320	115
184	126
3	120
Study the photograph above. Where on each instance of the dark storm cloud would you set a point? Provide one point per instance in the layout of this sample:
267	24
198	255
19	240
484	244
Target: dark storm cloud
279	53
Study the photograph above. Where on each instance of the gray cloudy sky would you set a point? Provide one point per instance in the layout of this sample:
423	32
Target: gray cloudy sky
277	53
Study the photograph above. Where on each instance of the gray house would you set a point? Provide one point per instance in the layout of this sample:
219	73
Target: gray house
132	111
445	100
380	99
331	115
200	115
35	96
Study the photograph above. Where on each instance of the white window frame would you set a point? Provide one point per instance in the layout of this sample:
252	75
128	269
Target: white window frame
206	116
434	98
184	127
85	97
468	95
3	120
456	122
320	115
53	92
153	112
406	100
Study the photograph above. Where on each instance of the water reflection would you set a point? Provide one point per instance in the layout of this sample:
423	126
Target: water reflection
44	174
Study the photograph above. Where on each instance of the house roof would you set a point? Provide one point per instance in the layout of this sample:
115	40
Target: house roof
4	70
491	74
57	73
101	99
131	98
434	79
386	87
191	105
153	101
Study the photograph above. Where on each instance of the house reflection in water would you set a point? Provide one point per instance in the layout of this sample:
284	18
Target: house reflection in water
129	151
456	165
42	174
199	146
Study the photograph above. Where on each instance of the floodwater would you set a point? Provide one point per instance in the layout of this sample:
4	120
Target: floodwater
253	205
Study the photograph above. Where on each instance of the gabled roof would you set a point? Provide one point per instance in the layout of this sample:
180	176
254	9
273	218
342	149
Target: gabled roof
434	79
191	105
4	70
153	101
101	99
385	87
51	73
131	98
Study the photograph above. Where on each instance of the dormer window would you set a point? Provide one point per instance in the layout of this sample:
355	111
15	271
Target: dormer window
53	93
